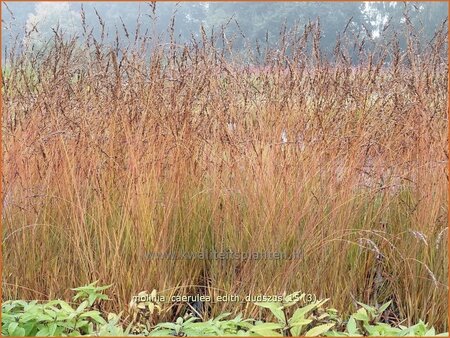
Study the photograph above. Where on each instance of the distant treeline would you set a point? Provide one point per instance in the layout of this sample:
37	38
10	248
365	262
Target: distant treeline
245	25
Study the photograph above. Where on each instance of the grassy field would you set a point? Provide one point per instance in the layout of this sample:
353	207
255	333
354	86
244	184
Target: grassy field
114	154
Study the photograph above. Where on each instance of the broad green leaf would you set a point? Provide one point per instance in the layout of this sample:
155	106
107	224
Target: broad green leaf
81	323
301	312
161	333
59	331
368	308
321	302
242	333
319	330
82	306
384	307
296	330
51	312
361	314
66	307
222	316
372	329
75	333
64	316
94	315
12	327
431	332
300	322
91	298
44	318
30	306
103	296
78	295
52	329
246	325
275	308
29	317
337	334
171	326
19	332
351	326
267	329
43	332
101	288
296	327
269	333
28	327
85	287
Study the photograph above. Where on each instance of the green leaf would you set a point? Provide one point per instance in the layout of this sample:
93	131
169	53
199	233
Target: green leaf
267	329
84	287
82	306
318	330
103	297
81	323
19	332
275	308
44	318
296	327
296	330
29	328
95	315
51	313
91	299
78	295
59	331
12	327
171	326
246	325
161	333
66	307
301	312
361	314
372	329
300	322
222	316
351	326
431	332
368	308
75	333
268	333
384	307
52	329
337	334
43	332
101	288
